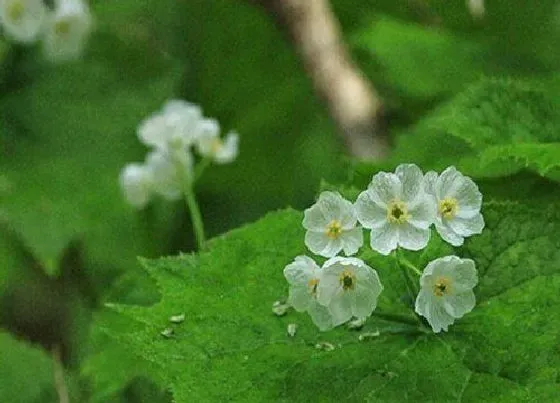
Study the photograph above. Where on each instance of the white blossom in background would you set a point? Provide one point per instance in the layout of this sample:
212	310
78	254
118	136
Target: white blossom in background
174	127
446	291
476	8
397	210
136	182
67	30
304	277
22	20
331	226
348	287
210	145
458	203
169	173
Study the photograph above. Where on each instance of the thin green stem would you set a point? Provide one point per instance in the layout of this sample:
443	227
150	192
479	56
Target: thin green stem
395	317
407	280
408	264
196	217
200	168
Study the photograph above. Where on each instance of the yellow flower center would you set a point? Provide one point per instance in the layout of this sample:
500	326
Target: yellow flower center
62	27
397	212
216	145
347	280
312	285
334	229
448	207
16	10
442	286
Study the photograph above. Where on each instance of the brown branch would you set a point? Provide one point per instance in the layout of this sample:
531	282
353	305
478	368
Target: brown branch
352	101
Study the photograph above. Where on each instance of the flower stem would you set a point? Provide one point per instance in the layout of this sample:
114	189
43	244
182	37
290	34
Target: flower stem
196	217
200	168
408	281
408	264
394	317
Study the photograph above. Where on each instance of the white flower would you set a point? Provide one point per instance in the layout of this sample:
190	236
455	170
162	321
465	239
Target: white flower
210	145
68	28
397	210
136	183
304	276
348	287
458	205
174	127
170	173
331	226
476	8
446	291
22	20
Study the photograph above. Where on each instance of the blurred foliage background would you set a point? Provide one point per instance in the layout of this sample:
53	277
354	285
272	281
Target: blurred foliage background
69	242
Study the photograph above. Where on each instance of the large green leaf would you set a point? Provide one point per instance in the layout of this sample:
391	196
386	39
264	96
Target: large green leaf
231	347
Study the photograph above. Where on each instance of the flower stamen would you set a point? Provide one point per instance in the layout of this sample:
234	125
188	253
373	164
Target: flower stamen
334	229
397	213
347	280
312	285
448	208
16	10
442	286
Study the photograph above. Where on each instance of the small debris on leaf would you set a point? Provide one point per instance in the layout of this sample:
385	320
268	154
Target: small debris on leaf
292	327
368	335
325	346
167	333
177	318
280	308
356	323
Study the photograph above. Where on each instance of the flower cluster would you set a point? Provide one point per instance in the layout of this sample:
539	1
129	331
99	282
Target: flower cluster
172	133
399	208
62	29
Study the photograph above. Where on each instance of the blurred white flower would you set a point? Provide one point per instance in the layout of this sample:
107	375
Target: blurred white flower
67	31
348	287
304	277
397	210
175	127
458	205
136	182
22	20
331	226
446	291
210	145
169	173
476	8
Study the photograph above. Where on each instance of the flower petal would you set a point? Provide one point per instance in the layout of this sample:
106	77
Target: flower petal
448	182
331	204
385	239
370	214
448	235
301	270
314	219
412	181
340	307
467	226
467	195
320	315
299	297
430	179
413	238
459	304
384	187
423	212
437	316
229	150
320	244
352	240
464	275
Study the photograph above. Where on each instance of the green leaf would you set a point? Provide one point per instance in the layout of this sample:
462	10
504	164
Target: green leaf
25	371
495	128
231	346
